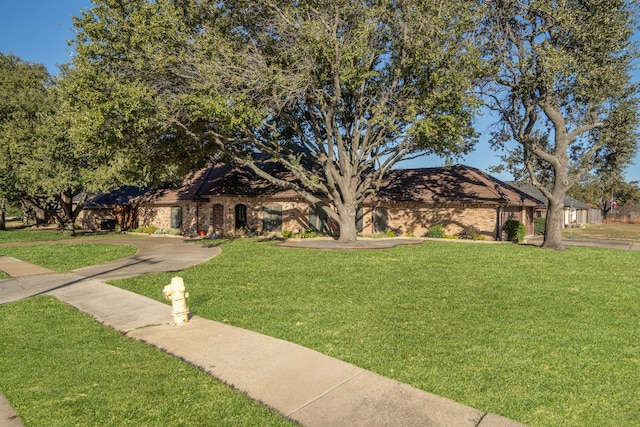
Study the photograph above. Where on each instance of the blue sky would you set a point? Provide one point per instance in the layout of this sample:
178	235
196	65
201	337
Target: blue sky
38	30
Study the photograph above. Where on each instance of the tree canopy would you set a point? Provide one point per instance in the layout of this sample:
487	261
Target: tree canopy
560	80
336	92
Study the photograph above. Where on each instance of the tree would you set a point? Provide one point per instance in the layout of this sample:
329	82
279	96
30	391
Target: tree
336	92
599	190
561	85
23	94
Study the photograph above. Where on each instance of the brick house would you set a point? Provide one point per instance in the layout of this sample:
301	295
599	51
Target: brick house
224	199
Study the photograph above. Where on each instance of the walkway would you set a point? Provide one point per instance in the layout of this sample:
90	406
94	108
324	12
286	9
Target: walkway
302	384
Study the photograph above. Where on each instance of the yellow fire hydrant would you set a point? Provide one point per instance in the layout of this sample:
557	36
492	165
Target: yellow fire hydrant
175	292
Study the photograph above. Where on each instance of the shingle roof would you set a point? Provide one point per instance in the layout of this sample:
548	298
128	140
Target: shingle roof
450	184
453	184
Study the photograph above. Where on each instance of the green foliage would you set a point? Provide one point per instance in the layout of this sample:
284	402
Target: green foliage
539	226
149	229
561	83
516	231
189	79
436	230
390	233
287	234
307	234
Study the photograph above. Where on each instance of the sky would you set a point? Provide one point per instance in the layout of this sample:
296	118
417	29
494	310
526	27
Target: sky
38	30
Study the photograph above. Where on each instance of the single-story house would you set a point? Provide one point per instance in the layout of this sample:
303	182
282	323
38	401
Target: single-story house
106	210
227	199
575	214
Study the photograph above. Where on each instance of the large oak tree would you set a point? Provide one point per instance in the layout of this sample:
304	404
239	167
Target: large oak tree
561	85
336	92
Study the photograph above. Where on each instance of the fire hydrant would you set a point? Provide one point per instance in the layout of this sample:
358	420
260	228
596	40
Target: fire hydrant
175	292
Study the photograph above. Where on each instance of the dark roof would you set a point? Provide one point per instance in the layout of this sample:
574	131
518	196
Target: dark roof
450	184
121	196
569	202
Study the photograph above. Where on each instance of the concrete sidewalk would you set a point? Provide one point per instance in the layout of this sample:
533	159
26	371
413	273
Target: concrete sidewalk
303	385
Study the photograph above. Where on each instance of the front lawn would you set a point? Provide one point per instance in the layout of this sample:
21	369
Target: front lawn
63	257
543	337
62	368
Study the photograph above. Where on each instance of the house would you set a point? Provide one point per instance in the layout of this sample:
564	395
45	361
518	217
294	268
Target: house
224	199
106	210
575	214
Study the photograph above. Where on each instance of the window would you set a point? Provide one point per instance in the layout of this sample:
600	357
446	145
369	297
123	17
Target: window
380	220
241	216
272	218
318	218
176	218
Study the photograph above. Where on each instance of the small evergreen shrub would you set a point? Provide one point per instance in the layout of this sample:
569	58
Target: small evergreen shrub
539	226
390	233
307	234
436	231
470	232
515	230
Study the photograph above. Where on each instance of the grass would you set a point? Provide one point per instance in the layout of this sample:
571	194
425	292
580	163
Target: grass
543	337
61	368
614	230
64	257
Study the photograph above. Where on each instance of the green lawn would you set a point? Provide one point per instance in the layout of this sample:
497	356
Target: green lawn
61	368
64	257
543	337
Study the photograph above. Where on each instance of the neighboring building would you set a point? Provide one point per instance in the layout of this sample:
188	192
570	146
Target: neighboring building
106	210
576	213
224	199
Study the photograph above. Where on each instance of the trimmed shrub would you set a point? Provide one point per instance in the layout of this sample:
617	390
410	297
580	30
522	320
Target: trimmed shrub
515	230
436	231
539	226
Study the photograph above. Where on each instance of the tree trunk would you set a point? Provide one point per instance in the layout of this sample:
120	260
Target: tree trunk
347	224
3	225
553	223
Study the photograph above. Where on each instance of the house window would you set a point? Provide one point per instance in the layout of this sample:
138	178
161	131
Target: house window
176	218
217	220
359	220
241	216
380	220
272	218
318	217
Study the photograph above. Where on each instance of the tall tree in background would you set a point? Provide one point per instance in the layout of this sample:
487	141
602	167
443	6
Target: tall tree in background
561	85
336	92
23	102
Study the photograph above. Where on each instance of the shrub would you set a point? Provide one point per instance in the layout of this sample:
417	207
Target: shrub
409	234
307	234
287	234
539	226
173	231
436	230
390	233
515	230
469	232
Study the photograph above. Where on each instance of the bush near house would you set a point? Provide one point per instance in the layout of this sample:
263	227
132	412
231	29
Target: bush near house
515	230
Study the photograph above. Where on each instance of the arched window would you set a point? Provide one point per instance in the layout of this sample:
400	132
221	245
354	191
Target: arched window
241	216
272	218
